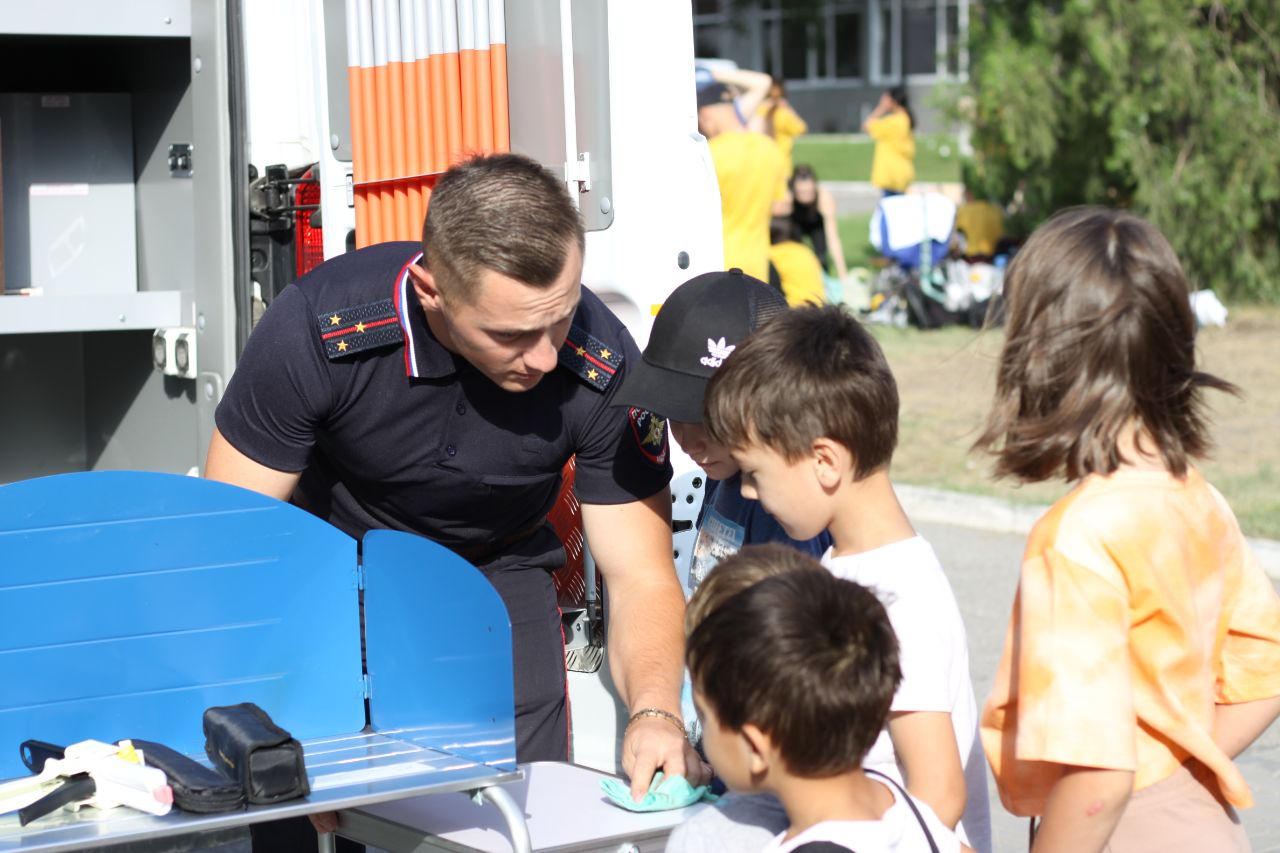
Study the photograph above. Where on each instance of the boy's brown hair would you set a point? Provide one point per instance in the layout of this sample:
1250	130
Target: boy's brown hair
810	373
1099	338
809	659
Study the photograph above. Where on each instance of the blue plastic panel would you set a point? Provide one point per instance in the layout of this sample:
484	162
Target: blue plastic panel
439	650
132	601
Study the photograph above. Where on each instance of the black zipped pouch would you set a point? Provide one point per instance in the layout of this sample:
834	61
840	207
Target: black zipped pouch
244	742
196	788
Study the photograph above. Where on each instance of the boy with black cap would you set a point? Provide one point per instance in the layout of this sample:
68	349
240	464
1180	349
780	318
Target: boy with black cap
697	328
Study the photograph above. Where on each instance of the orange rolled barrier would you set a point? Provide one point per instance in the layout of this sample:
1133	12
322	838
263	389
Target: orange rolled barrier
452	109
484	102
429	88
399	158
369	129
498	84
359	168
469	99
436	115
413	145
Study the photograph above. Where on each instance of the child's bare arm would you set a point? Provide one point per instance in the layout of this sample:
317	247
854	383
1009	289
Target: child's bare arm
926	747
1236	726
1083	809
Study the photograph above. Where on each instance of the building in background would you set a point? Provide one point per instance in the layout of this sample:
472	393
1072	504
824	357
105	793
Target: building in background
837	56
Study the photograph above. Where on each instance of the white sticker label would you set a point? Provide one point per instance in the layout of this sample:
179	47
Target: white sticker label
51	190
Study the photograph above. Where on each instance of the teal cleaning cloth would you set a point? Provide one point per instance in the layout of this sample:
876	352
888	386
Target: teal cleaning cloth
664	794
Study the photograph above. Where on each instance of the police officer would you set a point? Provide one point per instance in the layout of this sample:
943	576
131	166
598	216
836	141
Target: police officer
439	390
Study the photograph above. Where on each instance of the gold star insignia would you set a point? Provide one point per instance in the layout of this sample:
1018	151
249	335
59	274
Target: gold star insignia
604	353
359	327
342	346
580	352
334	320
654	436
593	374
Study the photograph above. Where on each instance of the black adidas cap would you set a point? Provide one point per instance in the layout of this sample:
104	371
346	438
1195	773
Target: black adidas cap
698	327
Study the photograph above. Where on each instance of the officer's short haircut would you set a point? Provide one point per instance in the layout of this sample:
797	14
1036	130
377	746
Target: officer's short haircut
748	567
812	372
809	659
501	212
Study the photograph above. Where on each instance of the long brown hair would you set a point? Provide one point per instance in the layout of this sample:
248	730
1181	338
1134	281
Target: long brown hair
1100	337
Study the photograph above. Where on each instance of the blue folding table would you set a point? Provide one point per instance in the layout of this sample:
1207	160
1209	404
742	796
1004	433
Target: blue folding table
130	602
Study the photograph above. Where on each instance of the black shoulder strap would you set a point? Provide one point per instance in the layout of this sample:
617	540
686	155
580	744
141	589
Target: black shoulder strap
348	331
924	827
594	361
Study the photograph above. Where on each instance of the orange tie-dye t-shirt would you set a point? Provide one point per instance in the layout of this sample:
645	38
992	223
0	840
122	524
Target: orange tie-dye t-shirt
1139	608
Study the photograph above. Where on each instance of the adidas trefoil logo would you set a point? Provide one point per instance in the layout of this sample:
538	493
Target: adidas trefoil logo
719	352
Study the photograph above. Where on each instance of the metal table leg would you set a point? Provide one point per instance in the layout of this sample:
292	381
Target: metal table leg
327	844
511	813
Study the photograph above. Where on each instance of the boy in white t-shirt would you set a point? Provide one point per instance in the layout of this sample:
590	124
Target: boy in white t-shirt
810	409
793	672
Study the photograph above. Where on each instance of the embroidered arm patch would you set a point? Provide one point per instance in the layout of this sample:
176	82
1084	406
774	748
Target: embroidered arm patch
589	358
347	331
650	434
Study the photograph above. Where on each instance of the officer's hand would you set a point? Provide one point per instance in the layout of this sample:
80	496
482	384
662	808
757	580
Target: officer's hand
653	744
324	822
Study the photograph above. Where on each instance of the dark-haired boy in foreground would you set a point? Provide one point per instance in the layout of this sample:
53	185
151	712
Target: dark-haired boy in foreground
793	673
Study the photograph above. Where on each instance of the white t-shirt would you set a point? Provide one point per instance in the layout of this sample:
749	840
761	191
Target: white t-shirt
897	831
934	656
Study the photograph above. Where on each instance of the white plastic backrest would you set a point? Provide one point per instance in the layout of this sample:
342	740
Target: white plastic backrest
912	219
687	491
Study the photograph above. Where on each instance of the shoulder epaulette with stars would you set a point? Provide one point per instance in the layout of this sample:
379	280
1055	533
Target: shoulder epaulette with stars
362	327
590	358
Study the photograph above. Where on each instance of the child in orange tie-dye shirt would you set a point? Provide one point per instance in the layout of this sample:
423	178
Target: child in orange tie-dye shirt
1144	649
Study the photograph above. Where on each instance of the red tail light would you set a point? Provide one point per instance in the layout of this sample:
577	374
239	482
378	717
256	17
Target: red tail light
309	242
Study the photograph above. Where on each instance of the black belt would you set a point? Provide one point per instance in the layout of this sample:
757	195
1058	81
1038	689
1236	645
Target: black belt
483	551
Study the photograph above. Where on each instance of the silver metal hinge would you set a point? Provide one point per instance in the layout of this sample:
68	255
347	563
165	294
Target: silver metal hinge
180	165
366	689
360	574
351	190
579	172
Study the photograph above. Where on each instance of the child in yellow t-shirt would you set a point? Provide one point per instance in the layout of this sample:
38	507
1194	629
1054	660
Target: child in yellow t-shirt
797	268
1144	648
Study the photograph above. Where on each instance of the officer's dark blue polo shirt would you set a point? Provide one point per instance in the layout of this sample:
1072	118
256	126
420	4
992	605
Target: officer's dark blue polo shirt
408	436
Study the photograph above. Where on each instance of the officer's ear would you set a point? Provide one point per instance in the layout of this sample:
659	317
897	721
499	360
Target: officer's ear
424	285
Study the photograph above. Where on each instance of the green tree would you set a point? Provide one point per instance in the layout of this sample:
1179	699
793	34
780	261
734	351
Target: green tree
1165	107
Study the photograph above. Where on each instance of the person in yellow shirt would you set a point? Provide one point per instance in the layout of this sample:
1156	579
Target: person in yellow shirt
776	119
982	224
794	268
752	177
893	166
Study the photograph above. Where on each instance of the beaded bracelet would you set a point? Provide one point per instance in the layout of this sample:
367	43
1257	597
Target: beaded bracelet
660	714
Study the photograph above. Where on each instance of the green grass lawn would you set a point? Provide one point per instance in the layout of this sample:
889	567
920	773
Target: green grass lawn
853	230
946	378
848	158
